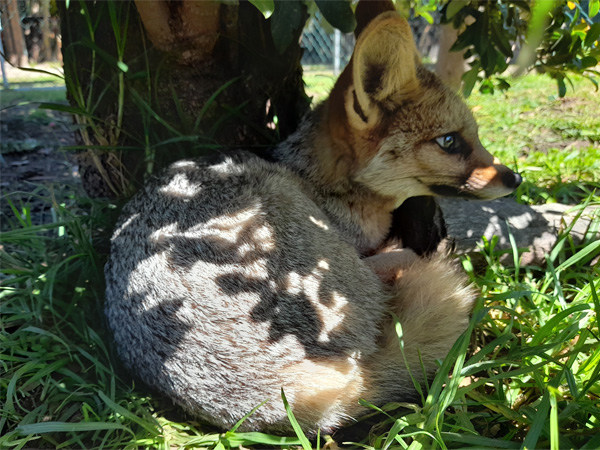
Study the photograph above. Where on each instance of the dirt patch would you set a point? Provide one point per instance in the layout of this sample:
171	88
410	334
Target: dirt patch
31	157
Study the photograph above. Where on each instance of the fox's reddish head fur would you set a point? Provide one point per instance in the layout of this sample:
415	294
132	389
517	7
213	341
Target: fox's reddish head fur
394	127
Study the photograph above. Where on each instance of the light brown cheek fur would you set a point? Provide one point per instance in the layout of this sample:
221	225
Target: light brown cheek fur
430	166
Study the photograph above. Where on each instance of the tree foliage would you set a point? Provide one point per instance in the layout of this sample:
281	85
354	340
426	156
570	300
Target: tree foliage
557	37
553	37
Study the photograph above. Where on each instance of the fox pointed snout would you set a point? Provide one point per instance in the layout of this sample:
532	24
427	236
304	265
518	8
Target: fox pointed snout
493	181
512	179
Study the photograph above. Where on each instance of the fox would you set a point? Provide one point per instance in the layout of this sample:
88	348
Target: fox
232	278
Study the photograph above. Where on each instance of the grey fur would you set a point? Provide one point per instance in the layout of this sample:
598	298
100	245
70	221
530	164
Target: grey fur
220	277
231	278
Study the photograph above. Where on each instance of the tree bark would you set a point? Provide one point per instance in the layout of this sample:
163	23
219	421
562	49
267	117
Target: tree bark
450	66
46	32
12	33
177	56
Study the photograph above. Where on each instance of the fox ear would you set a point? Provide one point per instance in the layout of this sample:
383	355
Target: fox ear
367	10
384	69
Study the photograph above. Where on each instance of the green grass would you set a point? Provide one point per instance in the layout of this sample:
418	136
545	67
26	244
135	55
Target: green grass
13	97
525	375
553	142
41	75
318	84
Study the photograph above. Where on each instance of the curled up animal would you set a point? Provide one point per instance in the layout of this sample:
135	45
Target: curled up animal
233	277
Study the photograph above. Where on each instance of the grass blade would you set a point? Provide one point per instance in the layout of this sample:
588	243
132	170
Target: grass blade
295	425
67	427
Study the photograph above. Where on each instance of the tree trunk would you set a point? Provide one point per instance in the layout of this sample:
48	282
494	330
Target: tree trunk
450	66
46	33
148	88
12	33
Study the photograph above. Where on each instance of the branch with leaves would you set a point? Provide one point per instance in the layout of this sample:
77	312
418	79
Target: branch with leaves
553	37
556	37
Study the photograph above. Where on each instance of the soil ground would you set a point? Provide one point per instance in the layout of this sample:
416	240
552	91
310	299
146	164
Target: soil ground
32	142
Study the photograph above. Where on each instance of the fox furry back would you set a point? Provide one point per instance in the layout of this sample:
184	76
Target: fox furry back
231	278
227	283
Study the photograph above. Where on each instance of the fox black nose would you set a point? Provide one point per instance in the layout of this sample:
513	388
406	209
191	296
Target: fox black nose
511	179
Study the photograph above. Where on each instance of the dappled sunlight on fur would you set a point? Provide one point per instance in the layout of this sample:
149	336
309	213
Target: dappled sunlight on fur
232	277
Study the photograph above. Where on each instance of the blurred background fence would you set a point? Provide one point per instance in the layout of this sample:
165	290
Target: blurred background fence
328	49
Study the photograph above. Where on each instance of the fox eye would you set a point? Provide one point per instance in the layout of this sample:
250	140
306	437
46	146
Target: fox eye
450	142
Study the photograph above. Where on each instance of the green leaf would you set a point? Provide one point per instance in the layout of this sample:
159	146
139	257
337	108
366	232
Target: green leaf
396	428
592	35
593	443
554	323
593	8
295	425
539	421
68	427
152	428
266	7
489	61
211	100
588	61
486	87
502	84
454	7
586	253
286	18
64	108
253	438
338	13
501	40
481	441
45	72
428	17
465	39
562	88
243	419
400	334
70	148
554	433
469	78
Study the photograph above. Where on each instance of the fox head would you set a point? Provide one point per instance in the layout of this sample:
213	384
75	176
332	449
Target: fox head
400	131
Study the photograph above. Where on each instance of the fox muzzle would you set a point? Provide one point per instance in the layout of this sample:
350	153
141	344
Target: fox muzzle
493	181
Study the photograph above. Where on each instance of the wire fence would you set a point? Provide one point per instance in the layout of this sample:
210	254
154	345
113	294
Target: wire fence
326	49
